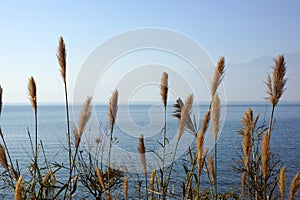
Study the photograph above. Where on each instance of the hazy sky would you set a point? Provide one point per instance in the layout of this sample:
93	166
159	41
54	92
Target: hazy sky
239	30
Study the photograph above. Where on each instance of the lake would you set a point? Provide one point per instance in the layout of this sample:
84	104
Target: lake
147	119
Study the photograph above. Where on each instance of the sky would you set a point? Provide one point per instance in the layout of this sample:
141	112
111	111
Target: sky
242	31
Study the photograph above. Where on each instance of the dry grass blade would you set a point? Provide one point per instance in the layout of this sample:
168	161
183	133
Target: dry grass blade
185	114
19	189
164	88
101	179
32	93
125	187
218	76
215	115
152	179
113	108
282	181
294	187
61	56
142	150
265	155
212	169
1	91
243	183
247	148
276	86
3	160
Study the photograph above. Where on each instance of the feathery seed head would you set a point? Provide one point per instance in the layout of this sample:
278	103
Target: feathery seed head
265	155
212	169
32	93
276	86
164	88
294	186
215	115
282	181
185	115
61	56
100	179
113	109
125	187
19	189
218	76
3	160
141	150
85	115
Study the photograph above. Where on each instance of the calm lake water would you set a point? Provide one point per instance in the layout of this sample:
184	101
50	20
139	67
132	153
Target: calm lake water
148	120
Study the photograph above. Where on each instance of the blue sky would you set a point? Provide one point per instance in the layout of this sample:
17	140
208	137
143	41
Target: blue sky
239	30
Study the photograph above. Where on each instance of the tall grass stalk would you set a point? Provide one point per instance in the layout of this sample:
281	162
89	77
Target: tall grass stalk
33	100
215	116
62	56
215	102
276	86
112	114
164	96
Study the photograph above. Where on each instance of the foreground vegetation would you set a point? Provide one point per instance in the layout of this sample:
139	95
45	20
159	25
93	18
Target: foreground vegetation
262	176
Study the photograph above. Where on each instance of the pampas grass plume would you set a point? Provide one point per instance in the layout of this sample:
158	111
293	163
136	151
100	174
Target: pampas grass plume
32	93
61	56
218	76
185	114
265	155
100	179
212	169
125	187
276	85
85	115
164	88
141	150
113	108
152	179
294	187
19	189
3	160
200	140
215	115
282	181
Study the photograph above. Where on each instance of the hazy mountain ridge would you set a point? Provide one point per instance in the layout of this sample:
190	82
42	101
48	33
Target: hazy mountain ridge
245	81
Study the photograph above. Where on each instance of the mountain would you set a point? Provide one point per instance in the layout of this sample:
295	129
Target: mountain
245	81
